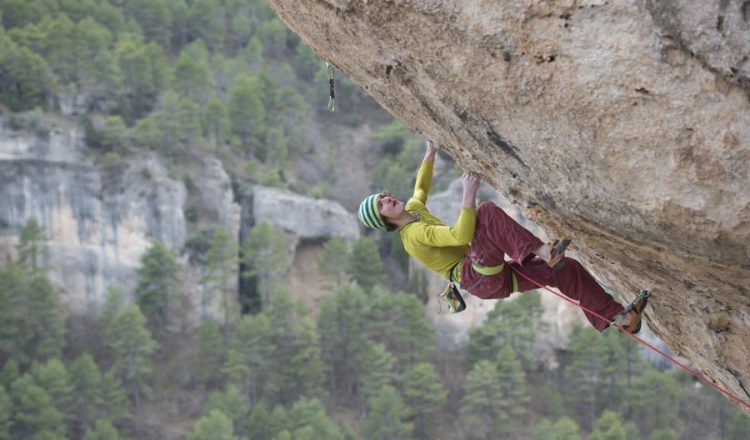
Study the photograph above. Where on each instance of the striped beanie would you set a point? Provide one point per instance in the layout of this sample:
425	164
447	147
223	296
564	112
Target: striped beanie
368	212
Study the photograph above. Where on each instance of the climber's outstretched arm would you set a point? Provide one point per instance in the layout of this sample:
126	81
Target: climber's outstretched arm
424	175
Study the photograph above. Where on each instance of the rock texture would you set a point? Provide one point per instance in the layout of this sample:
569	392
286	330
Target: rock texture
308	223
98	221
101	218
623	125
304	218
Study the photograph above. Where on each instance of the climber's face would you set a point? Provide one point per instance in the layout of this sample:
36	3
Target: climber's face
389	206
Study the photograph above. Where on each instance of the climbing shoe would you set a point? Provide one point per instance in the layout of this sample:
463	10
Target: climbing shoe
635	311
557	253
452	297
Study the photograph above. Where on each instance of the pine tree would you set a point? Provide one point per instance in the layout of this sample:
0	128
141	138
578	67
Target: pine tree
204	23
144	72
105	80
214	426
309	421
306	63
250	356
9	373
44	328
113	305
264	424
335	258
296	350
147	133
154	18
179	124
34	414
102	430
342	322
6	410
296	112
247	114
276	146
132	346
596	373
424	395
399	321
304	367
216	125
210	353
28	81
232	404
179	10
482	412
193	79
284	312
61	48
658	402
662	434
566	429
387	417
377	370
608	427
551	400
238	27
96	39
86	382
112	136
31	248
158	292
265	255
221	260
14	310
631	431
511	323
544	430
53	378
114	400
365	266
513	397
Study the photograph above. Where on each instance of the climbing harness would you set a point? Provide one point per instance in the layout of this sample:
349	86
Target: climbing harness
694	373
331	95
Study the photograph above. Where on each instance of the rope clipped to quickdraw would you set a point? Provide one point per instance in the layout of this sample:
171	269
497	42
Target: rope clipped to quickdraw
332	95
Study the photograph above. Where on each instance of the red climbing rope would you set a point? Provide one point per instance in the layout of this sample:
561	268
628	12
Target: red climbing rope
646	344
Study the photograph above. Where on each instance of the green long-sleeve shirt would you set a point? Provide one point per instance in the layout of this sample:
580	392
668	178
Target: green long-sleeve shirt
430	241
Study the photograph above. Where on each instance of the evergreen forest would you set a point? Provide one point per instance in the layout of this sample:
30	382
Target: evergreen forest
185	78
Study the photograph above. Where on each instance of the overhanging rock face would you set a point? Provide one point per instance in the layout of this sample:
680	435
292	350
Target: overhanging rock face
623	125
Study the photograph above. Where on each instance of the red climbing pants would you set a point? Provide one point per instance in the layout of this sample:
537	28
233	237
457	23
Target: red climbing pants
496	234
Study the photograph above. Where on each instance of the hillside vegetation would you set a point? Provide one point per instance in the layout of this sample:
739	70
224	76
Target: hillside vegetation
185	79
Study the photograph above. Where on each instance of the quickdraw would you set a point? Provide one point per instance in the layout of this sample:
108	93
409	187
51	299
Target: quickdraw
332	94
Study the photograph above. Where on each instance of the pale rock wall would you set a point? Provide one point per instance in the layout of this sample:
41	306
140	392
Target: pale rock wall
100	219
302	217
307	223
623	125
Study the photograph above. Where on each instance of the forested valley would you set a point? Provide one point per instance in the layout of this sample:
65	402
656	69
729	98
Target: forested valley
186	78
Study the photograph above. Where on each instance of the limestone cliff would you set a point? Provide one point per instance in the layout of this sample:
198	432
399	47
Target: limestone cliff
623	125
100	218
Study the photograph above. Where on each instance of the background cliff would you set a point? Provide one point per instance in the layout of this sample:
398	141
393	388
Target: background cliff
180	258
623	125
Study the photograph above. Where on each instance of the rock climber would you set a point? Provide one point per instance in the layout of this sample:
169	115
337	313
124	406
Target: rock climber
472	251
